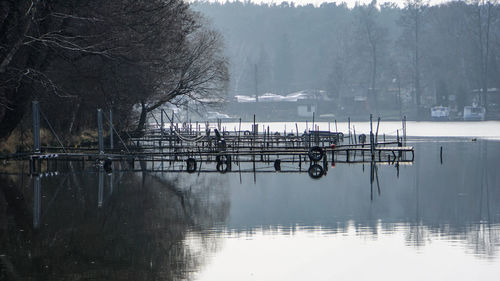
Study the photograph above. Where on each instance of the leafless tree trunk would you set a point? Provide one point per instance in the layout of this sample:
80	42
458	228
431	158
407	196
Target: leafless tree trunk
413	23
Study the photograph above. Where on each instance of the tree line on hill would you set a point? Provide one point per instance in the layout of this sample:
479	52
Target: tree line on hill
428	52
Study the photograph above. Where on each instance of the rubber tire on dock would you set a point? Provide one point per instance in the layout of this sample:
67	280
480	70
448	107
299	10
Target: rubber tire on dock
226	158
191	165
222	167
315	171
362	138
108	165
315	153
277	165
223	163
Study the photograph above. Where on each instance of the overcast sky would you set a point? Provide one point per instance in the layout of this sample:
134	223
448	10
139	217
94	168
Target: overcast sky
350	3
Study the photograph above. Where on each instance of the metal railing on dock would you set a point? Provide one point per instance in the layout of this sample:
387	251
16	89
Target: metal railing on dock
189	146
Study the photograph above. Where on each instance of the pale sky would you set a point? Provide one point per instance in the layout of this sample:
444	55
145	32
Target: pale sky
350	3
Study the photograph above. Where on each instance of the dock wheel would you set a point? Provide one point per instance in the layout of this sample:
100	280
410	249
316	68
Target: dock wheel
191	165
315	153
108	165
223	163
222	167
277	165
316	171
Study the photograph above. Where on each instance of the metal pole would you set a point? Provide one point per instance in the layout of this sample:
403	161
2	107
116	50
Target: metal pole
349	127
36	127
162	123
313	122
111	142
404	135
99	130
371	137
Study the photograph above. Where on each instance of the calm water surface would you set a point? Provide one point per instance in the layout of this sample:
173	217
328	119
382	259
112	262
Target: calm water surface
426	221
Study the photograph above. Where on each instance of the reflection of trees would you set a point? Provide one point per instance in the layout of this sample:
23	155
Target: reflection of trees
485	236
416	235
483	239
137	234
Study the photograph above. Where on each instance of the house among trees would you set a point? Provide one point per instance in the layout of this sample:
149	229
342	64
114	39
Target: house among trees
296	105
490	101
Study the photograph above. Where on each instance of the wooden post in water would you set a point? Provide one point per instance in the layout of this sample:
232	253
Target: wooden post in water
371	137
36	127
171	130
269	137
313	122
441	154
254	129
99	131
349	128
111	142
404	131
239	132
162	122
376	134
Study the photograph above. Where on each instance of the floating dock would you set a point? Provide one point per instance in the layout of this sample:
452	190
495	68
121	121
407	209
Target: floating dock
168	147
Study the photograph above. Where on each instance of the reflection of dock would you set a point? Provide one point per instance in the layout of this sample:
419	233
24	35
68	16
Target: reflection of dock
190	146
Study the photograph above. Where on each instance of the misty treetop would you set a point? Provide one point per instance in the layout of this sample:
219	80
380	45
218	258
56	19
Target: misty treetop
75	56
428	51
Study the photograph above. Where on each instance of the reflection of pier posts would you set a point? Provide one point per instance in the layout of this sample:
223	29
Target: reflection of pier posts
35	165
111	179
372	164
101	186
36	202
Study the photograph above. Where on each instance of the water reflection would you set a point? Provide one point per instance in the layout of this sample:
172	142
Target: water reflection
352	252
83	229
457	199
142	225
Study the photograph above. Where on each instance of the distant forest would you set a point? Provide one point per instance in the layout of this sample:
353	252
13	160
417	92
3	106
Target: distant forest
427	52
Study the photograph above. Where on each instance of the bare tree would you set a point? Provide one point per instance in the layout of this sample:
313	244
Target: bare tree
481	18
374	35
413	22
199	74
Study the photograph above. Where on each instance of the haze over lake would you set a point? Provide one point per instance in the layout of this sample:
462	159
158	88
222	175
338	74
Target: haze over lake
255	140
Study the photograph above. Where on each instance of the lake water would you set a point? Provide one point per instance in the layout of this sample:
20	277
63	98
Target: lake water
433	220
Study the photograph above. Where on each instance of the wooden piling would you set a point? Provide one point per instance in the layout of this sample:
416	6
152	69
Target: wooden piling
441	154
